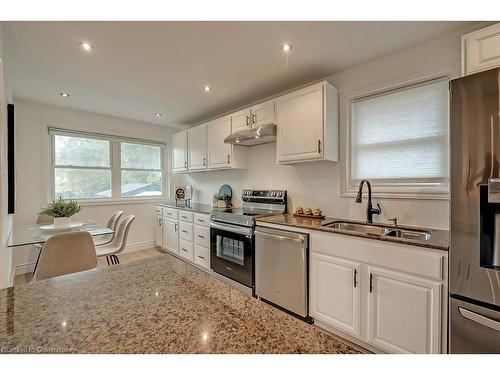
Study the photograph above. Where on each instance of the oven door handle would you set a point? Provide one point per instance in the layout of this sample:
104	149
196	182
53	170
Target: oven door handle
232	228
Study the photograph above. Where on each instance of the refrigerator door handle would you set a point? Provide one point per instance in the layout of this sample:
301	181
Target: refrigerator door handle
478	318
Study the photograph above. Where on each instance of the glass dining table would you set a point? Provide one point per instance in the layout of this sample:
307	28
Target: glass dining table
32	234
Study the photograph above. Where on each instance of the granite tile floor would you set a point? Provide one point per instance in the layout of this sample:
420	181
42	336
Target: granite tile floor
154	305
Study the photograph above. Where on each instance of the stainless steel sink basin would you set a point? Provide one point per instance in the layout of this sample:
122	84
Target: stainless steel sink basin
410	234
380	230
358	227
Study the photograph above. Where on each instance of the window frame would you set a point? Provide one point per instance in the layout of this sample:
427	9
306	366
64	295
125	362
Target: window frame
420	188
115	166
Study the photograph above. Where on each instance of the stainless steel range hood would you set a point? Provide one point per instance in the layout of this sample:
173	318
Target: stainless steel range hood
257	136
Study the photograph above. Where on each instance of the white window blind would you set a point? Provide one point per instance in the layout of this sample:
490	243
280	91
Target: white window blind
400	137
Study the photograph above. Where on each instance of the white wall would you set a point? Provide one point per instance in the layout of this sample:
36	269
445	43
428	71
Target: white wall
318	184
32	168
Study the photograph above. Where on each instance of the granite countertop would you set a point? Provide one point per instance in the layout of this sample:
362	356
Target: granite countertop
439	238
201	208
155	305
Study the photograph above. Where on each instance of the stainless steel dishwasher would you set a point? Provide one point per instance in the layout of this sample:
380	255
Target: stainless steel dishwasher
281	259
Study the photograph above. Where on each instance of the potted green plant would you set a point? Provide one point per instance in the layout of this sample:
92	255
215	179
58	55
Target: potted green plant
62	211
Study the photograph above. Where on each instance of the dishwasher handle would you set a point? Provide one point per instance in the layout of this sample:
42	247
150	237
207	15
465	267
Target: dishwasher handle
280	235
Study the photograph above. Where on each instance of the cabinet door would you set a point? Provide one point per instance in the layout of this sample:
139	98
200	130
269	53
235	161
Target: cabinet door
158	230
171	235
481	49
197	146
264	113
219	153
335	292
241	120
179	152
300	125
404	313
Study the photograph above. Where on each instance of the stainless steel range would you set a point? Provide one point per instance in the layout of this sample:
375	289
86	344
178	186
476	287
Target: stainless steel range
232	233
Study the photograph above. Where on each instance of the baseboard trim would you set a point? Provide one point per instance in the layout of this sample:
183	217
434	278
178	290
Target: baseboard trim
20	269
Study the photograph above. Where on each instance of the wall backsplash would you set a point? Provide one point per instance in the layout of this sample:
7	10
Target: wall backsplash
315	185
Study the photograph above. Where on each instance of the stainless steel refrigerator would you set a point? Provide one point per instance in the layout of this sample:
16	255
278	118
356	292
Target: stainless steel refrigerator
474	258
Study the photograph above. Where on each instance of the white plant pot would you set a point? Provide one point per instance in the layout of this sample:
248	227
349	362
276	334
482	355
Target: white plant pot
62	222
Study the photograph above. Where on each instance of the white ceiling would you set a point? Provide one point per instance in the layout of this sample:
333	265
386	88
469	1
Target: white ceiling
139	68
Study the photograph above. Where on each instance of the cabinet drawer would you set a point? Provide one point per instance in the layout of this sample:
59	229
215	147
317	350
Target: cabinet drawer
186	216
202	256
202	219
202	236
158	210
170	213
186	250
186	231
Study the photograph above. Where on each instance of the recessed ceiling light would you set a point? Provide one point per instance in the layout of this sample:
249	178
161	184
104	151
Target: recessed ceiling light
158	114
64	94
86	46
286	47
207	88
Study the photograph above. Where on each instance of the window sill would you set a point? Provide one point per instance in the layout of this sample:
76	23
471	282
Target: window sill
116	202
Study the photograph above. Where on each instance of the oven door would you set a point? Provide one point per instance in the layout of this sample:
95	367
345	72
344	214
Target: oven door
231	252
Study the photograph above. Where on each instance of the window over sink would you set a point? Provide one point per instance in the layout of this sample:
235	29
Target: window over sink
94	167
398	139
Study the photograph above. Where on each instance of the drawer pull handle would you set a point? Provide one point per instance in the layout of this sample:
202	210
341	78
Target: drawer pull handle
228	268
201	236
355	277
199	256
201	220
184	231
184	249
371	282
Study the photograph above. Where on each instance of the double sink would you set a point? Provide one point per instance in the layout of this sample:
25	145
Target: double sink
380	230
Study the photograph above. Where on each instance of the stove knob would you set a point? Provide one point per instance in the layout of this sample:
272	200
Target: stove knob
280	194
273	194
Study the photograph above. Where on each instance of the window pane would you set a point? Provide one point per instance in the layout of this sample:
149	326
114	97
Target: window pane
141	183
402	134
139	156
82	183
81	152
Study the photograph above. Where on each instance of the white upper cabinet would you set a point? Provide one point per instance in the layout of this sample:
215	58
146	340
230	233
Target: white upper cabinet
179	152
257	115
241	120
219	153
307	122
197	141
481	50
263	113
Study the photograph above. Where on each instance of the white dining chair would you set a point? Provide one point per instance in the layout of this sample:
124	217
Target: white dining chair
66	253
113	225
111	250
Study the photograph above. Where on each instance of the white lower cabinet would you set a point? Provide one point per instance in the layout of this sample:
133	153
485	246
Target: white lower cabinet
336	297
186	250
202	256
403	312
171	235
158	230
388	296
